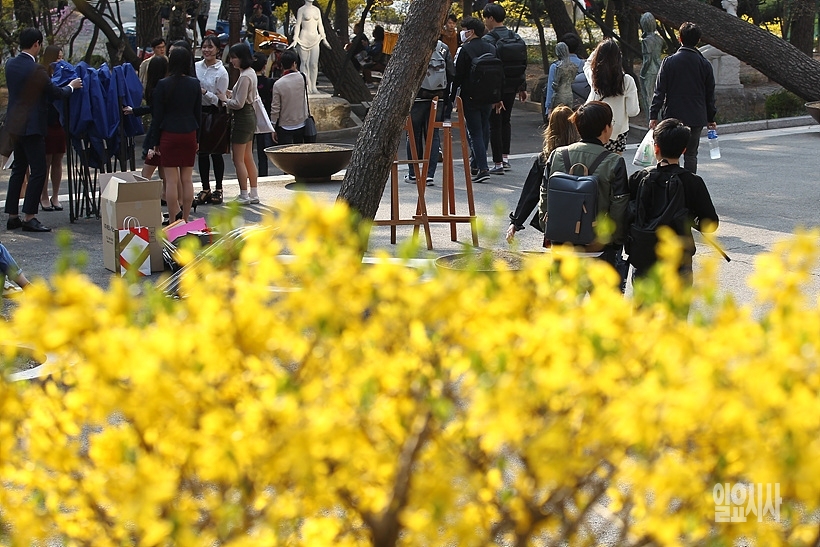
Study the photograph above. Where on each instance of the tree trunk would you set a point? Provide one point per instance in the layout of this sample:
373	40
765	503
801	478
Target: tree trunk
628	28
773	56
176	25
381	133
341	20
346	80
116	41
148	22
559	18
801	29
24	13
537	16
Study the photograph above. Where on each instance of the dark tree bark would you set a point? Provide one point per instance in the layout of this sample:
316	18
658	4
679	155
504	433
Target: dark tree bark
801	29
773	56
560	19
176	25
334	64
341	18
24	13
537	15
628	28
148	22
379	137
116	42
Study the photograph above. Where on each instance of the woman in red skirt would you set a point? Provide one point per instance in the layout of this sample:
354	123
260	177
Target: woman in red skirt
55	141
177	107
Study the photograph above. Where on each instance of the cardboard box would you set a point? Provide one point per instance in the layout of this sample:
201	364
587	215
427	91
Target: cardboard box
128	194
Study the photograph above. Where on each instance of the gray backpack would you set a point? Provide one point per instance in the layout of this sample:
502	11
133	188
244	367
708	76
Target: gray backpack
572	203
434	83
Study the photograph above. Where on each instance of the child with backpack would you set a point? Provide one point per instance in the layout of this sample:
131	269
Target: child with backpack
667	195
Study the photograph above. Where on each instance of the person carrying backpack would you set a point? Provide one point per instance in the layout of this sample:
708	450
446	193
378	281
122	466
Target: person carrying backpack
594	123
478	80
667	195
512	51
435	85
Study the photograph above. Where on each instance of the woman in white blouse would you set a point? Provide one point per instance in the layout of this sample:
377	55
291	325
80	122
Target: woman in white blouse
213	79
609	84
240	101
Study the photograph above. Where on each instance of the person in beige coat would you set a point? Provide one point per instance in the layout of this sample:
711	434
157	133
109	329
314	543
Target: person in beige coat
289	106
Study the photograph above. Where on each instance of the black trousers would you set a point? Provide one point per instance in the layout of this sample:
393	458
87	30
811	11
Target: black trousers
205	168
500	128
29	154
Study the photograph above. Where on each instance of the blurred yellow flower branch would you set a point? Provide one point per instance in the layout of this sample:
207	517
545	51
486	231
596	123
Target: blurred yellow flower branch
318	401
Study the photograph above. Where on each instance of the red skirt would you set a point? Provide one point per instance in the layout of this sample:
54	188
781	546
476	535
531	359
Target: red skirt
55	140
177	149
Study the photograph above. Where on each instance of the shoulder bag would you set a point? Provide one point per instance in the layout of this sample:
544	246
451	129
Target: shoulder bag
310	123
263	124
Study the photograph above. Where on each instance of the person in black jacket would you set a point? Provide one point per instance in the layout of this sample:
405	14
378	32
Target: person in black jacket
671	138
476	114
264	87
515	83
685	90
177	109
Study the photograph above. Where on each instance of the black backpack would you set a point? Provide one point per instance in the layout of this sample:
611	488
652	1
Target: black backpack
572	202
580	89
486	78
512	50
659	201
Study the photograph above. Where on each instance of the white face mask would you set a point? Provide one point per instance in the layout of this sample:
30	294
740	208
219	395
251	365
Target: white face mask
463	34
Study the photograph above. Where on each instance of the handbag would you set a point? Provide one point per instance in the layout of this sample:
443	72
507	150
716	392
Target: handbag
310	123
215	137
263	124
132	250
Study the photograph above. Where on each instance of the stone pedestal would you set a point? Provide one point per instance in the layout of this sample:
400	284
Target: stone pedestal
330	113
725	67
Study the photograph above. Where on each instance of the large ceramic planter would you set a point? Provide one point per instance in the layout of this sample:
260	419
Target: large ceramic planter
481	261
813	109
312	162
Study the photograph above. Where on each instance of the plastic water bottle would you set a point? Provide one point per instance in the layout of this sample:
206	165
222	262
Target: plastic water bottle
714	146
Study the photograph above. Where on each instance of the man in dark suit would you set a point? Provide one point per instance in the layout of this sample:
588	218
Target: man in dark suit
30	91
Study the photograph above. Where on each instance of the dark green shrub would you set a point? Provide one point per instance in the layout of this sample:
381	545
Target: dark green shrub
783	104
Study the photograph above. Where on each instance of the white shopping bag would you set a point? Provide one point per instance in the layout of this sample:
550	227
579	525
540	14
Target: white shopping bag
645	154
132	248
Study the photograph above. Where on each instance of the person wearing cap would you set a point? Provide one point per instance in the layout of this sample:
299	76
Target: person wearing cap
259	20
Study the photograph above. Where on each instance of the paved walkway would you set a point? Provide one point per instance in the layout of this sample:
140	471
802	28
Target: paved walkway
763	187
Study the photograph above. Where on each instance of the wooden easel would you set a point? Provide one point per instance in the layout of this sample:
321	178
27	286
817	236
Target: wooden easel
448	192
421	168
420	218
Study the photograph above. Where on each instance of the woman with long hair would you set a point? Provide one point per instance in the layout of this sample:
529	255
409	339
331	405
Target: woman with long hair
213	79
560	132
609	84
177	109
240	101
157	70
55	140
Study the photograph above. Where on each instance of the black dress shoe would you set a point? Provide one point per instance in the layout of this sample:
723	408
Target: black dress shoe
14	223
34	225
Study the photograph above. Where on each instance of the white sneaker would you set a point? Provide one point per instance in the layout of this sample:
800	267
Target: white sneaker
242	200
254	199
429	181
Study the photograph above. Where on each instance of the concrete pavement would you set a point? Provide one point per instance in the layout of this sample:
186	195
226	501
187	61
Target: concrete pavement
764	187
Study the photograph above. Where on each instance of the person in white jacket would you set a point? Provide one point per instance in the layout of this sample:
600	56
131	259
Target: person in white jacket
610	85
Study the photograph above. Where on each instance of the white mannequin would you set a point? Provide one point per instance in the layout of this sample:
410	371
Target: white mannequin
730	6
308	33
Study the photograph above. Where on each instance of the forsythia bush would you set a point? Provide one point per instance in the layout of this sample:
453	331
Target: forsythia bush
375	406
